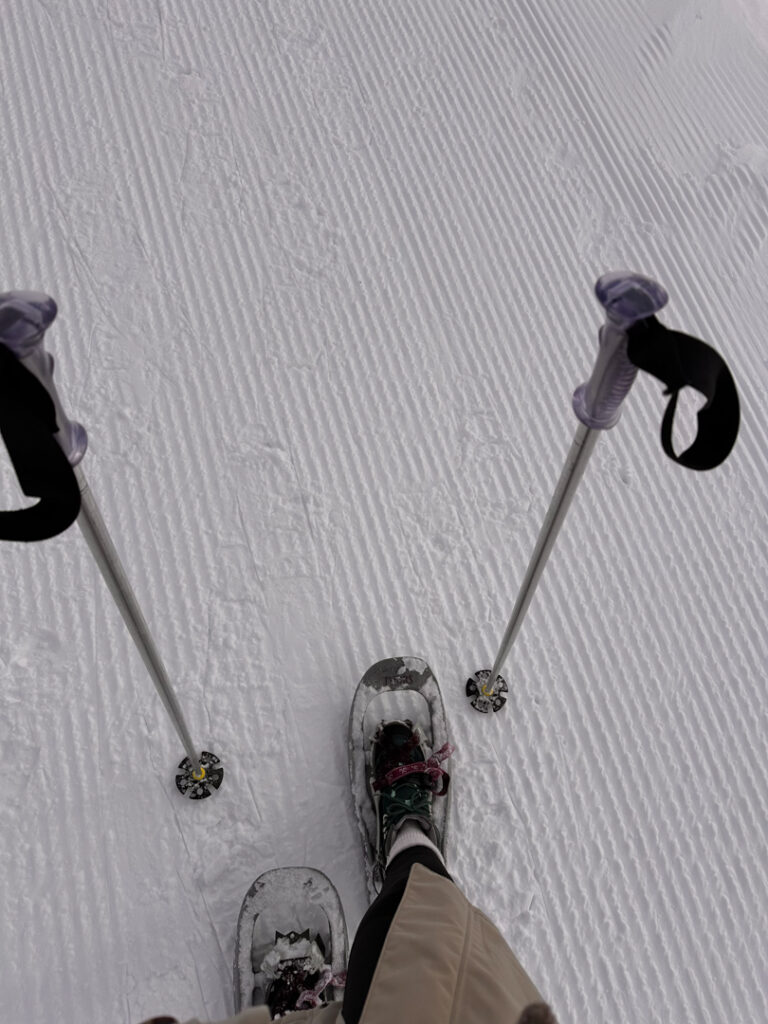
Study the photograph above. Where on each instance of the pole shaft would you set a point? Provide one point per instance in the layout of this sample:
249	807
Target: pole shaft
575	463
99	541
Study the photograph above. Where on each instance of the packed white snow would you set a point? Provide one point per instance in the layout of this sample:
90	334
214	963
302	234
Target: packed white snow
325	280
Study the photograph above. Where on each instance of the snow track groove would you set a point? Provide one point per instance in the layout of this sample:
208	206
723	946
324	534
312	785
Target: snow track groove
325	280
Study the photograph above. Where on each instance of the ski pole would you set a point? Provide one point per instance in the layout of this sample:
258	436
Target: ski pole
626	298
94	529
24	337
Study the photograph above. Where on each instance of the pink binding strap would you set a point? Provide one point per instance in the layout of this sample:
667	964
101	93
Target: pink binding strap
311	996
430	767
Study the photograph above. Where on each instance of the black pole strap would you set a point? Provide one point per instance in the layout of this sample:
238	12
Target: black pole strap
682	361
27	424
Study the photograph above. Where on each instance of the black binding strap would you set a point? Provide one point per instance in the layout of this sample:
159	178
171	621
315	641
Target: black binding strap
682	361
27	424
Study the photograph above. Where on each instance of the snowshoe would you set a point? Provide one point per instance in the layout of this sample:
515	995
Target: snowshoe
291	943
398	736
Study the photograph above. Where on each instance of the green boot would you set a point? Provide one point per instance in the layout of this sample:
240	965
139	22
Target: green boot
403	783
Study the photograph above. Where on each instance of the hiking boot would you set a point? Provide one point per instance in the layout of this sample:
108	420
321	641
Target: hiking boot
403	782
296	973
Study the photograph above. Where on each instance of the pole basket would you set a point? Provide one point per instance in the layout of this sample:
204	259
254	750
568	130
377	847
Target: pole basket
485	698
197	787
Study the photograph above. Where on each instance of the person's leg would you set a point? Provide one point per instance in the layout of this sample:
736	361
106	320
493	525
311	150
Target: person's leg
374	926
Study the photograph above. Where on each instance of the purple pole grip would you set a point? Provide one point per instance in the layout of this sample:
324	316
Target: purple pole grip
626	297
24	319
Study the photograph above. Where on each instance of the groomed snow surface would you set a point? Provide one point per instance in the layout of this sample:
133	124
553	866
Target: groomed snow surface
325	274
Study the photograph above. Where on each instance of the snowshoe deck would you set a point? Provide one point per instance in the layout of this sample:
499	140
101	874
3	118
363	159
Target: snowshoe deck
285	901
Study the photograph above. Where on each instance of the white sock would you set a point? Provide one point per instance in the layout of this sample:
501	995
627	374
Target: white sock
411	834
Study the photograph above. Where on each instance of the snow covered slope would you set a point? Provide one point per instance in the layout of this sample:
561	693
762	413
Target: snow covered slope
325	279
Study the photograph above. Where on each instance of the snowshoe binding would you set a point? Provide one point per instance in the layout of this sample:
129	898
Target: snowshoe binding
276	963
403	782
